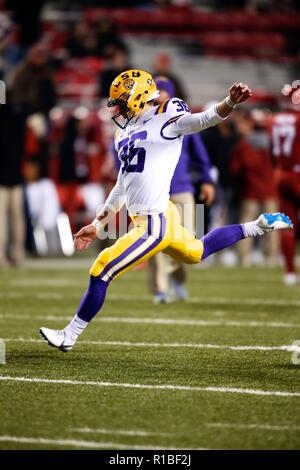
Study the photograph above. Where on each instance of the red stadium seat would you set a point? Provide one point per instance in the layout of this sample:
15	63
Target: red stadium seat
258	44
79	77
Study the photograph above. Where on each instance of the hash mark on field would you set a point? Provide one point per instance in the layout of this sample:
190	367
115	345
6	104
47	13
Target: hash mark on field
289	348
79	443
120	432
180	388
156	321
265	427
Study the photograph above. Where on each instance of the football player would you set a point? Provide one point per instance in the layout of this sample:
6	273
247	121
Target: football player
149	144
285	131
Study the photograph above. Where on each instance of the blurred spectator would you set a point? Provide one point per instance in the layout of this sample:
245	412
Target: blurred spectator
219	141
48	230
12	221
83	41
285	131
10	51
116	65
32	84
28	19
162	65
42	201
108	39
37	125
42	197
98	39
81	175
271	5
251	165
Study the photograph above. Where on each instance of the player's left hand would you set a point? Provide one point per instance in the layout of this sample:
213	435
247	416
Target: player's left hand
239	92
207	193
84	238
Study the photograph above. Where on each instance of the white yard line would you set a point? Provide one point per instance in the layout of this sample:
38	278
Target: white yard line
69	281
216	300
289	348
25	316
180	388
58	263
119	432
131	297
46	282
78	443
155	321
264	427
186	322
79	263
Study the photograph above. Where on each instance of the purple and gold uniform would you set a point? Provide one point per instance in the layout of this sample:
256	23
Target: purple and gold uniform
149	149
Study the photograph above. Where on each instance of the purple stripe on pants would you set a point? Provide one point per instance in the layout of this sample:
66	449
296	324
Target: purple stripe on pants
135	245
151	247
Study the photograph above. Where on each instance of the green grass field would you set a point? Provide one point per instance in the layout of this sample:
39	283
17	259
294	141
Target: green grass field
141	376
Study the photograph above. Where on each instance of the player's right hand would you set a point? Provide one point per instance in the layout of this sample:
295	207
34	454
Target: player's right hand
84	238
239	92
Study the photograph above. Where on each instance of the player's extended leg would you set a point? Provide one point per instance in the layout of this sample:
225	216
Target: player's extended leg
186	247
143	241
222	237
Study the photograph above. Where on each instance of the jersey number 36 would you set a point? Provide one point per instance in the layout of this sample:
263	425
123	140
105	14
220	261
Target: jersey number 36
133	158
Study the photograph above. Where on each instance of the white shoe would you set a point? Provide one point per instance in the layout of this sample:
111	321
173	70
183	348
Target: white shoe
57	339
269	222
291	279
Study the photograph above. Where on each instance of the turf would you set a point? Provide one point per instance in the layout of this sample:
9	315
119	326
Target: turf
233	307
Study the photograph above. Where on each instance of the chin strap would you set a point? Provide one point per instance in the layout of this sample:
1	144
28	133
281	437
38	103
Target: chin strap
127	121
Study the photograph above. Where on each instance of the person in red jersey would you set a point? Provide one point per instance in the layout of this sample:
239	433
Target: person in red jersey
251	166
285	134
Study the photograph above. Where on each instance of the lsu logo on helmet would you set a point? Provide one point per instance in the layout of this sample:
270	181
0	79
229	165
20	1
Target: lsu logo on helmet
130	91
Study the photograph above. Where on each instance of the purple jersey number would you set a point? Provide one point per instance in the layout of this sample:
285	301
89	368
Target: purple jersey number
127	152
181	106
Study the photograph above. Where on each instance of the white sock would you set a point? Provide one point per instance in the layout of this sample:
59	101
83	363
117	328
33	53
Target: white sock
251	229
75	328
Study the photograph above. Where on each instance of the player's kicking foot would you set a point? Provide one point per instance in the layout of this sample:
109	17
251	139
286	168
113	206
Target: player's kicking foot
57	339
277	221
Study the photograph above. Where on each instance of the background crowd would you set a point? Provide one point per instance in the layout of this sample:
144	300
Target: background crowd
56	158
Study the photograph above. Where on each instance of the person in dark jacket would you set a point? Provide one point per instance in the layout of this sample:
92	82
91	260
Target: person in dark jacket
12	219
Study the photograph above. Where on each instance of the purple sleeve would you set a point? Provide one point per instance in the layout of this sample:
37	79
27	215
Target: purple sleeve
199	159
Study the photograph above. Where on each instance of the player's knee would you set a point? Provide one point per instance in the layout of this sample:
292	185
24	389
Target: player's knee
195	254
192	259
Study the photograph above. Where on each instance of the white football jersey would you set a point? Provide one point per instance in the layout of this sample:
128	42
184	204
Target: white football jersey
149	156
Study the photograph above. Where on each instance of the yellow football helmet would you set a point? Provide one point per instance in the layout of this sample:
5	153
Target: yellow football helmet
130	91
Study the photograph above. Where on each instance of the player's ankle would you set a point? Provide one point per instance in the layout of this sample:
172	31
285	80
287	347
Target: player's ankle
75	328
251	229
